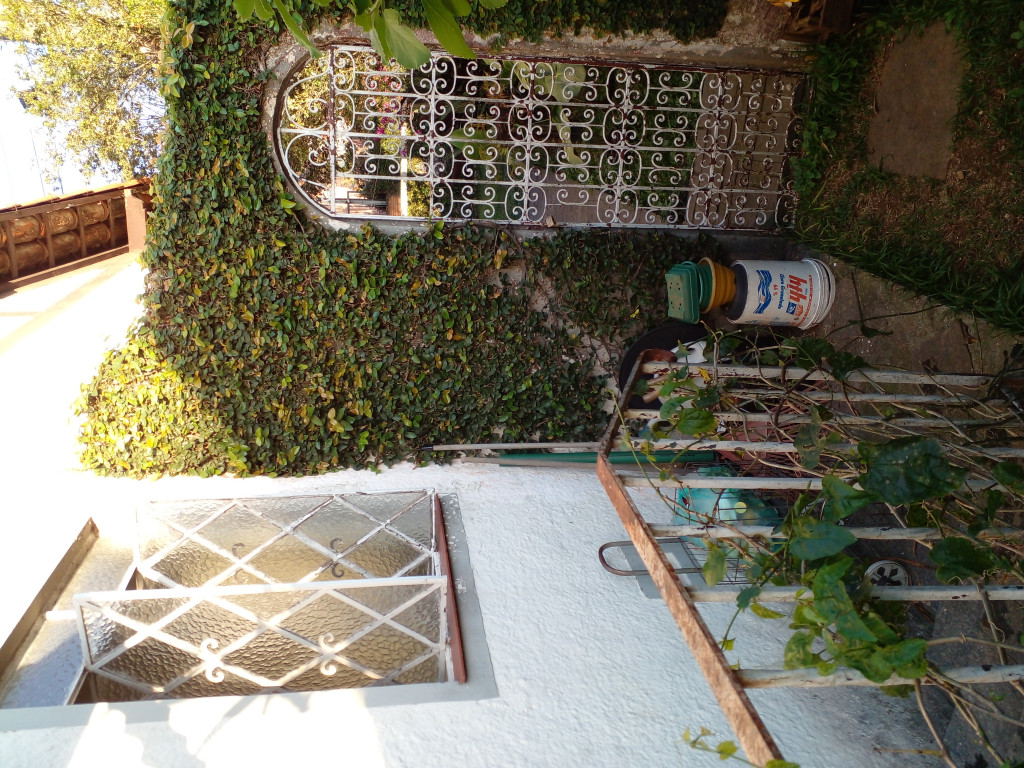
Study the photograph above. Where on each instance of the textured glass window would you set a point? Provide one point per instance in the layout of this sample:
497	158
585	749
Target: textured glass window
299	593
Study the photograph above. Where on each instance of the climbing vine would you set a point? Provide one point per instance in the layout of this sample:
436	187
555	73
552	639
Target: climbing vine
943	462
390	24
269	344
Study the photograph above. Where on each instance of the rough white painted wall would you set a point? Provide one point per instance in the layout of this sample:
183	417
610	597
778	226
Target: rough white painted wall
589	672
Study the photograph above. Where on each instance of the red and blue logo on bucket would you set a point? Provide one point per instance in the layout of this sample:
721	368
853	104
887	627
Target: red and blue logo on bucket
764	290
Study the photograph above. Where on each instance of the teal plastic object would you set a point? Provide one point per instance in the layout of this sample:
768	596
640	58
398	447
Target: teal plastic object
683	284
705	281
695	506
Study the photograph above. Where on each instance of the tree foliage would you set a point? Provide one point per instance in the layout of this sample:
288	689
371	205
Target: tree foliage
391	38
92	71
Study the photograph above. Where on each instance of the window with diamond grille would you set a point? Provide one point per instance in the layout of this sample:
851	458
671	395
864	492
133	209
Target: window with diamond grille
299	593
540	142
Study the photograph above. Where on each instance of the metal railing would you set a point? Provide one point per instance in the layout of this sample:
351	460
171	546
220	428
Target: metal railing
682	597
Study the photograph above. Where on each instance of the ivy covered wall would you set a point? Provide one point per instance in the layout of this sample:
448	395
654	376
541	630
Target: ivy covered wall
269	344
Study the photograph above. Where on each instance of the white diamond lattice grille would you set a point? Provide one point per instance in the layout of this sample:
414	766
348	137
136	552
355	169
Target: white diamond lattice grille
528	142
287	539
296	593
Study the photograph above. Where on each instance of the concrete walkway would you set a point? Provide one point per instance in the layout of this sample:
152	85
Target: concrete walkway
52	336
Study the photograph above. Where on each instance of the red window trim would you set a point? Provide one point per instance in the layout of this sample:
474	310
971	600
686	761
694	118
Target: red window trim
454	633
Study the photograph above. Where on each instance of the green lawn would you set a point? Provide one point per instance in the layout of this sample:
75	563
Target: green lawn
958	240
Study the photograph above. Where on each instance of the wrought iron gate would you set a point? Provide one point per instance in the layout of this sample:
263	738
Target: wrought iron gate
541	142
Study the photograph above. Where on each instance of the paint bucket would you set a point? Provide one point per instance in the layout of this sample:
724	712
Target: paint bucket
791	293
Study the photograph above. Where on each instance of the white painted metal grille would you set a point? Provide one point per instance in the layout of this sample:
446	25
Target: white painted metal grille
279	594
540	142
287	539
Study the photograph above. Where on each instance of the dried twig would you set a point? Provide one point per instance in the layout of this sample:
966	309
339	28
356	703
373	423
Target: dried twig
943	752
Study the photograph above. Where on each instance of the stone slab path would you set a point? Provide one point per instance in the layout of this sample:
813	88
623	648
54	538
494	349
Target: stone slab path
915	104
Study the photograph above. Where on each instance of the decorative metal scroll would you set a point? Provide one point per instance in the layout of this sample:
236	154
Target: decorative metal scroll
541	142
298	593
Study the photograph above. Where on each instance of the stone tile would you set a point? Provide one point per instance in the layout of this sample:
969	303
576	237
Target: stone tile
915	104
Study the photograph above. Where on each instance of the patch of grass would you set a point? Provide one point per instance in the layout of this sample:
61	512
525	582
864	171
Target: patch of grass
957	240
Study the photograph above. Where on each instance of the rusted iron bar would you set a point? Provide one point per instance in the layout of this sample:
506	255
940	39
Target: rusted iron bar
450	613
743	718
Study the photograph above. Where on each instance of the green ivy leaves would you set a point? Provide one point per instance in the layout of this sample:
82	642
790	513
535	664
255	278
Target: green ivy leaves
850	634
714	567
1010	475
390	37
298	352
959	559
441	17
908	469
391	25
815	539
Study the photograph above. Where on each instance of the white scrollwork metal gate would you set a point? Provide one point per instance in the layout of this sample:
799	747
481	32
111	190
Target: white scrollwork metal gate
540	142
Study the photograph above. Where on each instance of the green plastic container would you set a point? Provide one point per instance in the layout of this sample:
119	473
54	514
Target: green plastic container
694	506
705	280
683	283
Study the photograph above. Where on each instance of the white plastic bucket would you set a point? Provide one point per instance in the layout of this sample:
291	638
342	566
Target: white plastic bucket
792	293
823	298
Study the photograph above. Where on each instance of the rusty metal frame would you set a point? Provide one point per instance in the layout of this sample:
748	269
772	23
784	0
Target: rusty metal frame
451	609
743	718
729	685
746	723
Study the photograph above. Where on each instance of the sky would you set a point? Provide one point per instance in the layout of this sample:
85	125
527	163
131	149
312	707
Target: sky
23	141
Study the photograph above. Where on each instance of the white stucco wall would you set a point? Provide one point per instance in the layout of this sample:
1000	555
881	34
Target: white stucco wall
588	671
